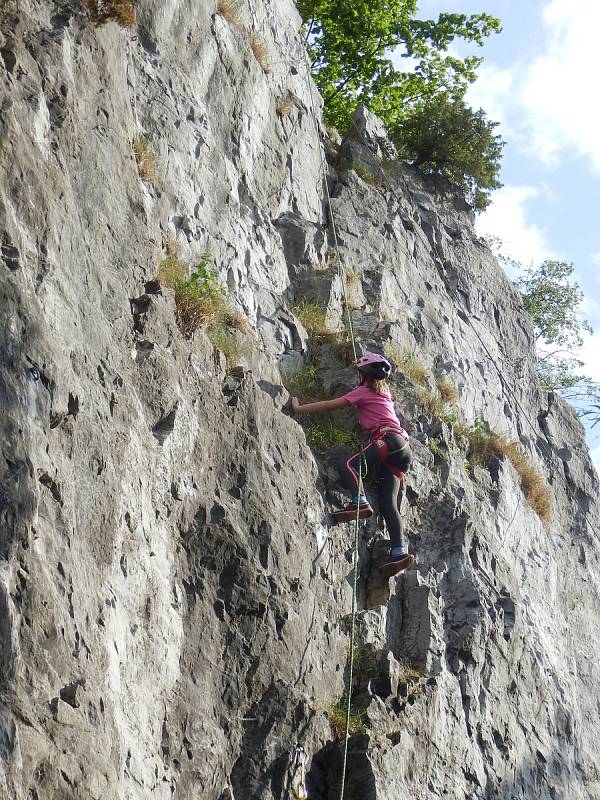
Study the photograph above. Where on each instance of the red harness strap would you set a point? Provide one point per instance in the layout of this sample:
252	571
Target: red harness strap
383	449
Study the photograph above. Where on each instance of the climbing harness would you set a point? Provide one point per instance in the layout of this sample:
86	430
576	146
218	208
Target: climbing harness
378	439
299	774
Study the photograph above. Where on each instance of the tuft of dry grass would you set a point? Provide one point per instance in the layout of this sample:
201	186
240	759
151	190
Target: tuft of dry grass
311	314
103	11
432	403
408	672
230	11
224	338
533	485
237	321
145	158
352	279
408	365
260	51
484	444
447	392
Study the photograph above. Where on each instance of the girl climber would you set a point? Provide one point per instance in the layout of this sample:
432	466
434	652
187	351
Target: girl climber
385	456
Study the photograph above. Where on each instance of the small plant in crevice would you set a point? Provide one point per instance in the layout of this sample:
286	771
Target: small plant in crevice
283	106
336	714
437	450
322	433
304	383
202	302
199	298
145	158
365	174
432	403
260	50
103	11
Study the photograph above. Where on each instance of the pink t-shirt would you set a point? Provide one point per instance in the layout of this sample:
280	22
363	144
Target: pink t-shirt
373	409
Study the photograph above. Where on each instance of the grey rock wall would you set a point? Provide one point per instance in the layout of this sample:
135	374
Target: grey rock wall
173	605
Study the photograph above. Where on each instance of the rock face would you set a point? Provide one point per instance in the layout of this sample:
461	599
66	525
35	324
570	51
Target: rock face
173	605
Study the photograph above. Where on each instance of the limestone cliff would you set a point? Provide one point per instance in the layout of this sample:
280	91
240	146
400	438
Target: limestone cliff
173	605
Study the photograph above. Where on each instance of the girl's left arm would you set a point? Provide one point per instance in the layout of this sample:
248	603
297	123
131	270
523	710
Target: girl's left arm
319	406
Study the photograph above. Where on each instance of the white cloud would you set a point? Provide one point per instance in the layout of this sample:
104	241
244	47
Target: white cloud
491	91
507	218
558	91
589	307
548	104
595	258
589	353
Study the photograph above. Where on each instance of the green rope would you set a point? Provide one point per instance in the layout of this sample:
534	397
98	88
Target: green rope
350	328
352	628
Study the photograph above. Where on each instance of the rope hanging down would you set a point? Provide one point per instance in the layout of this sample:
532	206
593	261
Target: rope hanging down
352	628
342	277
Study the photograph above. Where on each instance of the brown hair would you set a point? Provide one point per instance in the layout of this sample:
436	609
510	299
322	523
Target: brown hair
377	384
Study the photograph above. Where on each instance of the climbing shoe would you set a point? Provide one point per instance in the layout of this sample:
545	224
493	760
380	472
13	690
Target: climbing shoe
392	565
349	513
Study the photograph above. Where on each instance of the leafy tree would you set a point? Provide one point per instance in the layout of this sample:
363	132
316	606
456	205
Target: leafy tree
552	299
446	137
349	44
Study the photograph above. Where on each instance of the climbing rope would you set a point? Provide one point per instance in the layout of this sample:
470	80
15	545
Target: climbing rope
352	628
355	550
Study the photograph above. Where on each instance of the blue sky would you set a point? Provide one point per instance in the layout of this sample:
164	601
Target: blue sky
540	80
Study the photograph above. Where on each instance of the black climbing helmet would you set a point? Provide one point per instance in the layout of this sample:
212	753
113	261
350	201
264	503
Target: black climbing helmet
373	366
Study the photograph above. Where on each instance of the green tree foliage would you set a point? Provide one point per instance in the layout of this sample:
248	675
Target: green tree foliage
349	44
446	137
552	298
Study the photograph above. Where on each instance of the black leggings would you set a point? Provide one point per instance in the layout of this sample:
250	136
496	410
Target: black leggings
373	468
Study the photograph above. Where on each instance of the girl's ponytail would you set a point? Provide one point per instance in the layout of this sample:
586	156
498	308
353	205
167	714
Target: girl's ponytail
379	386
